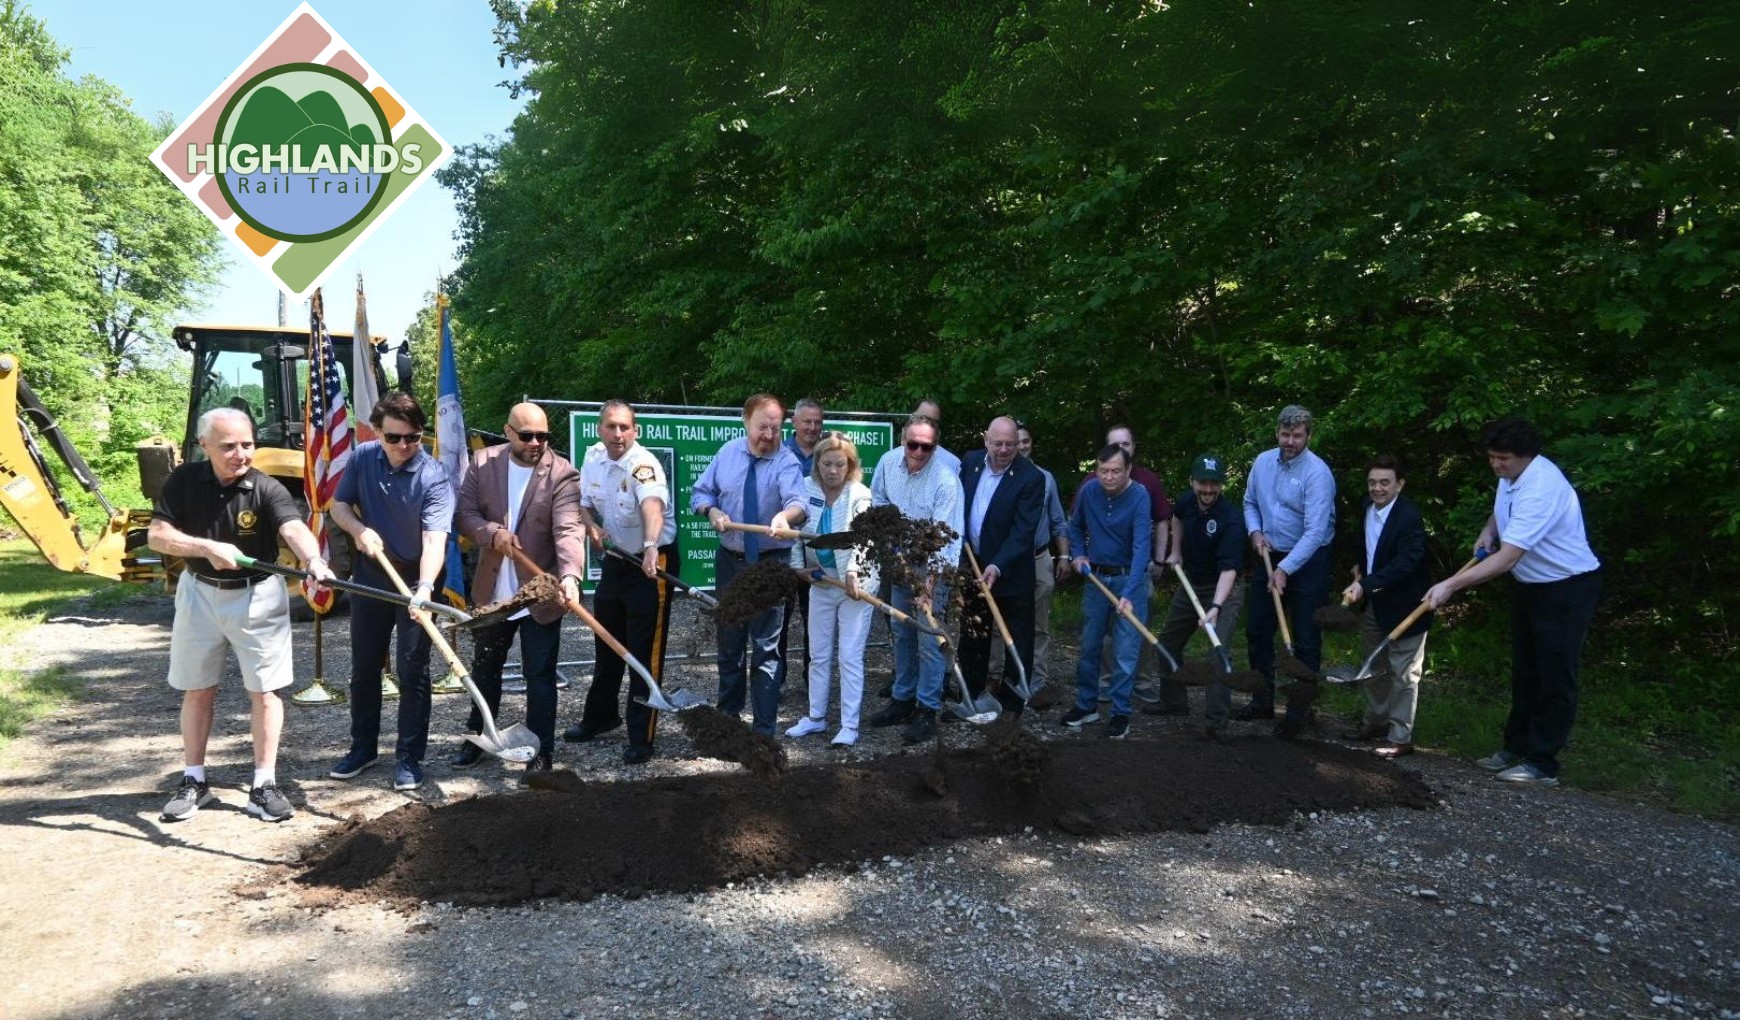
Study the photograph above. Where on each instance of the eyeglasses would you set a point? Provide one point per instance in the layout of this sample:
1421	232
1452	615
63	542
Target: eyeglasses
533	437
917	447
396	439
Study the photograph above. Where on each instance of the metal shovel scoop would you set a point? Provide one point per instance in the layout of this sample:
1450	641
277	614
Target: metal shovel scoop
1344	675
1023	690
517	743
980	711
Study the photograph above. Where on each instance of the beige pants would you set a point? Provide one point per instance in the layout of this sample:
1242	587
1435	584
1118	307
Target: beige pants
253	621
1393	694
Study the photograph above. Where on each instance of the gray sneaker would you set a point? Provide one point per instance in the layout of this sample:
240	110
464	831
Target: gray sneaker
1528	775
268	804
189	797
1147	692
1499	761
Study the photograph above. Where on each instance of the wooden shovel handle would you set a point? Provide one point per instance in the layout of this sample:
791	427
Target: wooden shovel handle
428	624
1127	614
1280	613
996	614
530	568
1424	607
783	534
1196	603
866	597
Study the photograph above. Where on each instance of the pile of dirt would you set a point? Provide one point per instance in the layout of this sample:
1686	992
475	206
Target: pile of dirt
766	584
907	551
1290	666
539	591
692	833
728	738
1336	617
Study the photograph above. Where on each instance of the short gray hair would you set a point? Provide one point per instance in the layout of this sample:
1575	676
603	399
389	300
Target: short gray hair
207	419
804	405
1293	416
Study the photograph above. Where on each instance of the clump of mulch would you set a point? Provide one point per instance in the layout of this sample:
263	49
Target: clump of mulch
726	737
768	583
555	781
906	551
1292	667
1022	756
1336	617
542	590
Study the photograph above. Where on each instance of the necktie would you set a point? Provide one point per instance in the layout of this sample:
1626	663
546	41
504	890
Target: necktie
751	513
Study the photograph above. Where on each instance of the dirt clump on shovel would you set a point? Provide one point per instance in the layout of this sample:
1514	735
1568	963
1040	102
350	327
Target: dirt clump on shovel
906	550
1336	617
539	591
686	834
768	583
727	738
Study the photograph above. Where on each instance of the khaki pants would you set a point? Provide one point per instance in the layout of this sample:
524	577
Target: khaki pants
1394	692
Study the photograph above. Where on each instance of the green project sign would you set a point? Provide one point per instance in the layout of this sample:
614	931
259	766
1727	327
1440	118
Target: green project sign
686	444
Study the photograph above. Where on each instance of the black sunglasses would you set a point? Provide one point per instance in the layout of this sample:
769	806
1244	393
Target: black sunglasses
533	437
397	439
915	446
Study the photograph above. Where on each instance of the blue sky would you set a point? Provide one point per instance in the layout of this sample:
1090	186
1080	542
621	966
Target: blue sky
438	54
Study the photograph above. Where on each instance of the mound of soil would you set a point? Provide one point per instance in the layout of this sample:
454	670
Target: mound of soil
1336	617
767	583
729	738
692	833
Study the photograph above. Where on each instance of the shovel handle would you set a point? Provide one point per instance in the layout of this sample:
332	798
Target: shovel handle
612	549
339	584
996	614
1127	614
1195	603
1280	613
783	534
866	597
453	661
1425	607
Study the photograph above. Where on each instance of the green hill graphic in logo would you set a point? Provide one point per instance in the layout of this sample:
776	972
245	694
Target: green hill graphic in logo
303	149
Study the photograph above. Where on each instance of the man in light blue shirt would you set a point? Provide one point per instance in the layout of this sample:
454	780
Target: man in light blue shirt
1290	513
931	409
912	479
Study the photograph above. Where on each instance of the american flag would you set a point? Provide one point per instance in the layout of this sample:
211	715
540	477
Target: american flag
328	431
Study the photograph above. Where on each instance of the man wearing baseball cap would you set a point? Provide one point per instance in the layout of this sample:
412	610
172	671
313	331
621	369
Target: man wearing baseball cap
1208	538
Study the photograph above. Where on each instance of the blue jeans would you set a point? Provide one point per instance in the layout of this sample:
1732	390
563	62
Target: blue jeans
1306	592
1098	616
761	634
918	659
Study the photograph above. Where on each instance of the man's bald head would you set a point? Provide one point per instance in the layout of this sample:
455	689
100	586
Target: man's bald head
528	419
1000	442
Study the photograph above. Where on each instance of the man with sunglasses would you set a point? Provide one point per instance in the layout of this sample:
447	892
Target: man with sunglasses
394	499
521	495
911	478
625	500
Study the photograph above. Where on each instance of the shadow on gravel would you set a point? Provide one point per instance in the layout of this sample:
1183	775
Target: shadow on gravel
123	816
693	833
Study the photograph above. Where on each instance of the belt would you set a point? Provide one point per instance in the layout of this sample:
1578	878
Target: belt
1100	568
734	554
230	583
1041	551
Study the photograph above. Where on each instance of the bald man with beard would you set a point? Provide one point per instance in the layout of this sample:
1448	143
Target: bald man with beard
523	496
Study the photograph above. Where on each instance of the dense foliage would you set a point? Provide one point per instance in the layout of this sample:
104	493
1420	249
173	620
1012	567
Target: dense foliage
1409	217
98	253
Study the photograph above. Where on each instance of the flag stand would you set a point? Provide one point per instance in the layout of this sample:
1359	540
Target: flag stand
318	692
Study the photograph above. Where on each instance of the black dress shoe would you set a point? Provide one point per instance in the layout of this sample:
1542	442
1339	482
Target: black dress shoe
921	728
581	732
541	763
468	755
892	714
637	754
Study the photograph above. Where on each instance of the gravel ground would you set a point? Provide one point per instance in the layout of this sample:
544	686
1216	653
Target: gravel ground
1502	903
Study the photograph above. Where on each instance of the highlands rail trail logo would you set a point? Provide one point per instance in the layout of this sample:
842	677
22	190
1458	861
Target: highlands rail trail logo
301	153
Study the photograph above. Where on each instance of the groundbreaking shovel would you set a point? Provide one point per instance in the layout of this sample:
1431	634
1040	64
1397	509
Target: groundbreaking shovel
980	711
612	549
517	743
1280	612
1023	690
1202	618
1344	675
1130	615
679	701
337	584
882	607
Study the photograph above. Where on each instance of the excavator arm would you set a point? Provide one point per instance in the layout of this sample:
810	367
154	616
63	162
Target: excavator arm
30	494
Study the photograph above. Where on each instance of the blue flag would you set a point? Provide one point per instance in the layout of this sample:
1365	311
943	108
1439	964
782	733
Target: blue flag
450	448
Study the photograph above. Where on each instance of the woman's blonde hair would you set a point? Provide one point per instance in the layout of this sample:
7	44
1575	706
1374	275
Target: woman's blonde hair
832	442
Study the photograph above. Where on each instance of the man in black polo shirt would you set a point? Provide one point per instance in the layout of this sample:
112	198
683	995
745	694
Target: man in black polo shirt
1208	538
211	512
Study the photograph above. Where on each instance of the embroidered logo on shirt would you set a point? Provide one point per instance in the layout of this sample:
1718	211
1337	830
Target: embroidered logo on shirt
246	521
644	473
1213	525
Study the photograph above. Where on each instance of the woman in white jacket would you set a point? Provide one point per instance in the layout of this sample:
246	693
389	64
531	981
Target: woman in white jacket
839	624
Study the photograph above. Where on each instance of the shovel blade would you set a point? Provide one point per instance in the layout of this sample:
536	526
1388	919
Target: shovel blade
517	743
678	701
1343	675
977	713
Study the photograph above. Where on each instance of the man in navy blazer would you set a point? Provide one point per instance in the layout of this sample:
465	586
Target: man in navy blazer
1004	501
1391	578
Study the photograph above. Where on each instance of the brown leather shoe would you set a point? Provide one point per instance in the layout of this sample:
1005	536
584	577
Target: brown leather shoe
1370	731
1388	750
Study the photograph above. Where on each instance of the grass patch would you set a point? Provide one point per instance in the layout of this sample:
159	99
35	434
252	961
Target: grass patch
31	589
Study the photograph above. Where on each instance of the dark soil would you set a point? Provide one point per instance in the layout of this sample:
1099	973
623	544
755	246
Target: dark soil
1336	617
765	584
541	590
729	738
692	833
906	551
1292	667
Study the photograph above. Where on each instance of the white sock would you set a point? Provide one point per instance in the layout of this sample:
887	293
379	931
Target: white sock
196	771
264	776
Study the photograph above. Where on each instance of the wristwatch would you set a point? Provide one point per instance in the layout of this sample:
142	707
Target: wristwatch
648	544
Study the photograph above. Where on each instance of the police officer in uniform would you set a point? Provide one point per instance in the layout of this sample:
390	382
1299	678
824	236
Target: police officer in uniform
211	512
624	497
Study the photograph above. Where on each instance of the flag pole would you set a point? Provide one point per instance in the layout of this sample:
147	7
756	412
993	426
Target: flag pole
451	683
318	692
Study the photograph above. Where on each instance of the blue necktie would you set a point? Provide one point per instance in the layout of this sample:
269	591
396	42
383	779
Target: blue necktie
751	513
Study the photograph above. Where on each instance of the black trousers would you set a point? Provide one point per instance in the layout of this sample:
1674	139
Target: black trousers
1548	625
637	610
977	626
539	645
372	625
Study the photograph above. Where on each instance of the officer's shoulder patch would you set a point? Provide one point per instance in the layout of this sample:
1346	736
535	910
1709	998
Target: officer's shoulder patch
645	473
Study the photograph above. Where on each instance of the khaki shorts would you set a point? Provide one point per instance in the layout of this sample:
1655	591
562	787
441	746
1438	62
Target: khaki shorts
254	621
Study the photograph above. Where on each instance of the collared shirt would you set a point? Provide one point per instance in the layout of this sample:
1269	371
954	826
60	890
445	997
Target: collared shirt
1057	522
854	499
933	494
399	504
1374	528
950	462
1114	531
615	489
1211	541
1293	503
1540	514
807	461
779	485
246	513
988	482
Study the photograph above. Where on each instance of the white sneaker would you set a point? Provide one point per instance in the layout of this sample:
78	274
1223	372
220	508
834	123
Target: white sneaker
845	738
806	726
